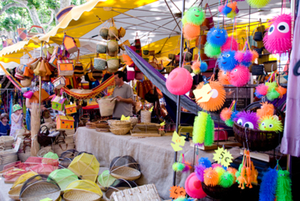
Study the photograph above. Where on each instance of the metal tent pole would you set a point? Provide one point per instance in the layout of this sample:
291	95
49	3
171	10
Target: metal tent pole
40	81
178	110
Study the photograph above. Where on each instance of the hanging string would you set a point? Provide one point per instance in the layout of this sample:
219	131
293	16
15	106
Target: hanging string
232	33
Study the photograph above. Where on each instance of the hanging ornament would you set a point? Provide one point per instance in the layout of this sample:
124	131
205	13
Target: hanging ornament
258	3
212	51
227	61
217	99
239	76
191	31
203	132
217	37
179	81
283	190
230	44
278	39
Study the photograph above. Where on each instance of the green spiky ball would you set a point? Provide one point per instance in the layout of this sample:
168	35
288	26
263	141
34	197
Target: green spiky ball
227	179
212	51
194	15
229	122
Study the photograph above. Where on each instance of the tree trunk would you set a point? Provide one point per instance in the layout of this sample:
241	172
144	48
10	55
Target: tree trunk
64	3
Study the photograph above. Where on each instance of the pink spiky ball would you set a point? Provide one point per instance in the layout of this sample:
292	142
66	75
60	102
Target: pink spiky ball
239	76
278	39
239	55
230	44
262	89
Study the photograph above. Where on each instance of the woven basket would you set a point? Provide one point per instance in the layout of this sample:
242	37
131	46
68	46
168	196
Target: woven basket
102	124
40	190
90	125
145	116
8	156
124	172
217	191
140	193
102	129
120	131
44	151
119	123
81	195
14	193
6	142
257	140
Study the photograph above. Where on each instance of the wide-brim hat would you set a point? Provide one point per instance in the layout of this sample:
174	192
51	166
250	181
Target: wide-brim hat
16	107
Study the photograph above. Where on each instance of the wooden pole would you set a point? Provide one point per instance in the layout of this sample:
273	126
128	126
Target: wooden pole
40	82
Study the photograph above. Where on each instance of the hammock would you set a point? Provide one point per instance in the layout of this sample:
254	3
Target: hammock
160	81
94	92
11	78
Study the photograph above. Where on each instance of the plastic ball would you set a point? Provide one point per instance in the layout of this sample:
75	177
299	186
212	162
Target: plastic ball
212	51
194	15
231	15
217	37
271	86
193	187
239	76
278	39
191	31
223	77
179	81
226	61
258	3
230	44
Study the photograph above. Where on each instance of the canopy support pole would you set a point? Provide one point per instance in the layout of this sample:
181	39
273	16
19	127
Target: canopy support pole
178	110
40	81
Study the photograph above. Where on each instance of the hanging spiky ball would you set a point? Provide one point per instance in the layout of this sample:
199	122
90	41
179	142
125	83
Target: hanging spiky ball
227	61
212	51
194	15
223	77
258	3
278	39
230	44
239	76
247	119
217	36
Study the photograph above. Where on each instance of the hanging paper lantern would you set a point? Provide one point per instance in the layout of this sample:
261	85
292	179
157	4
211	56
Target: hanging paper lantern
223	77
239	76
191	31
212	51
278	39
230	44
226	61
270	123
194	15
193	187
179	81
217	99
247	119
217	36
258	3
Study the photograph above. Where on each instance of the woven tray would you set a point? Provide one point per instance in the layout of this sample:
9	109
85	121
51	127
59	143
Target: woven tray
90	125
81	195
124	172
14	193
40	190
102	129
8	156
102	124
6	142
120	131
119	123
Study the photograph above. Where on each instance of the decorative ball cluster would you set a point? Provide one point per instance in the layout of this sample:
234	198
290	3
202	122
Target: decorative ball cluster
271	90
230	10
191	21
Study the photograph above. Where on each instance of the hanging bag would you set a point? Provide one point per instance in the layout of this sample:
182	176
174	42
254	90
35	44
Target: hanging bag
69	44
43	138
65	67
257	69
78	70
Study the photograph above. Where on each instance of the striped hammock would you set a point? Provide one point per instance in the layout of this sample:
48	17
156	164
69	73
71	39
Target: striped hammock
94	92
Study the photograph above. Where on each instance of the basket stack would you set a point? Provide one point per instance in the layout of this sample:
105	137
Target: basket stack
119	127
6	142
102	126
91	125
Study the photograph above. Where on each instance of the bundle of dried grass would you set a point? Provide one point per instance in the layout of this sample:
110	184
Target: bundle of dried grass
35	127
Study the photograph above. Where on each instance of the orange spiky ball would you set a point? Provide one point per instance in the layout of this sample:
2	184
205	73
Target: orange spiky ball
266	109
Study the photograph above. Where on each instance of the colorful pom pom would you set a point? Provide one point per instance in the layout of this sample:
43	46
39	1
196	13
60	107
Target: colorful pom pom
220	171
230	44
196	65
247	119
239	76
255	55
212	51
268	185
258	3
194	15
217	99
226	61
199	170
262	89
209	132
229	122
203	67
217	37
271	85
273	94
270	123
226	114
239	56
223	77
205	162
227	179
278	39
178	167
267	109
281	90
232	171
215	165
191	31
211	177
198	131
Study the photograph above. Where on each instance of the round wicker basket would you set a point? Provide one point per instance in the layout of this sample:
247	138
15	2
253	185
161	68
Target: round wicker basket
120	131
40	190
6	142
102	124
124	172
257	140
217	192
90	125
119	123
80	195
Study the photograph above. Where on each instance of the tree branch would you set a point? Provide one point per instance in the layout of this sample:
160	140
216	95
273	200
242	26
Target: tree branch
8	6
51	18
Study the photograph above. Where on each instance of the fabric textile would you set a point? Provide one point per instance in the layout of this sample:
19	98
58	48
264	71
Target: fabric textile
290	143
15	126
3	129
121	108
27	119
154	154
